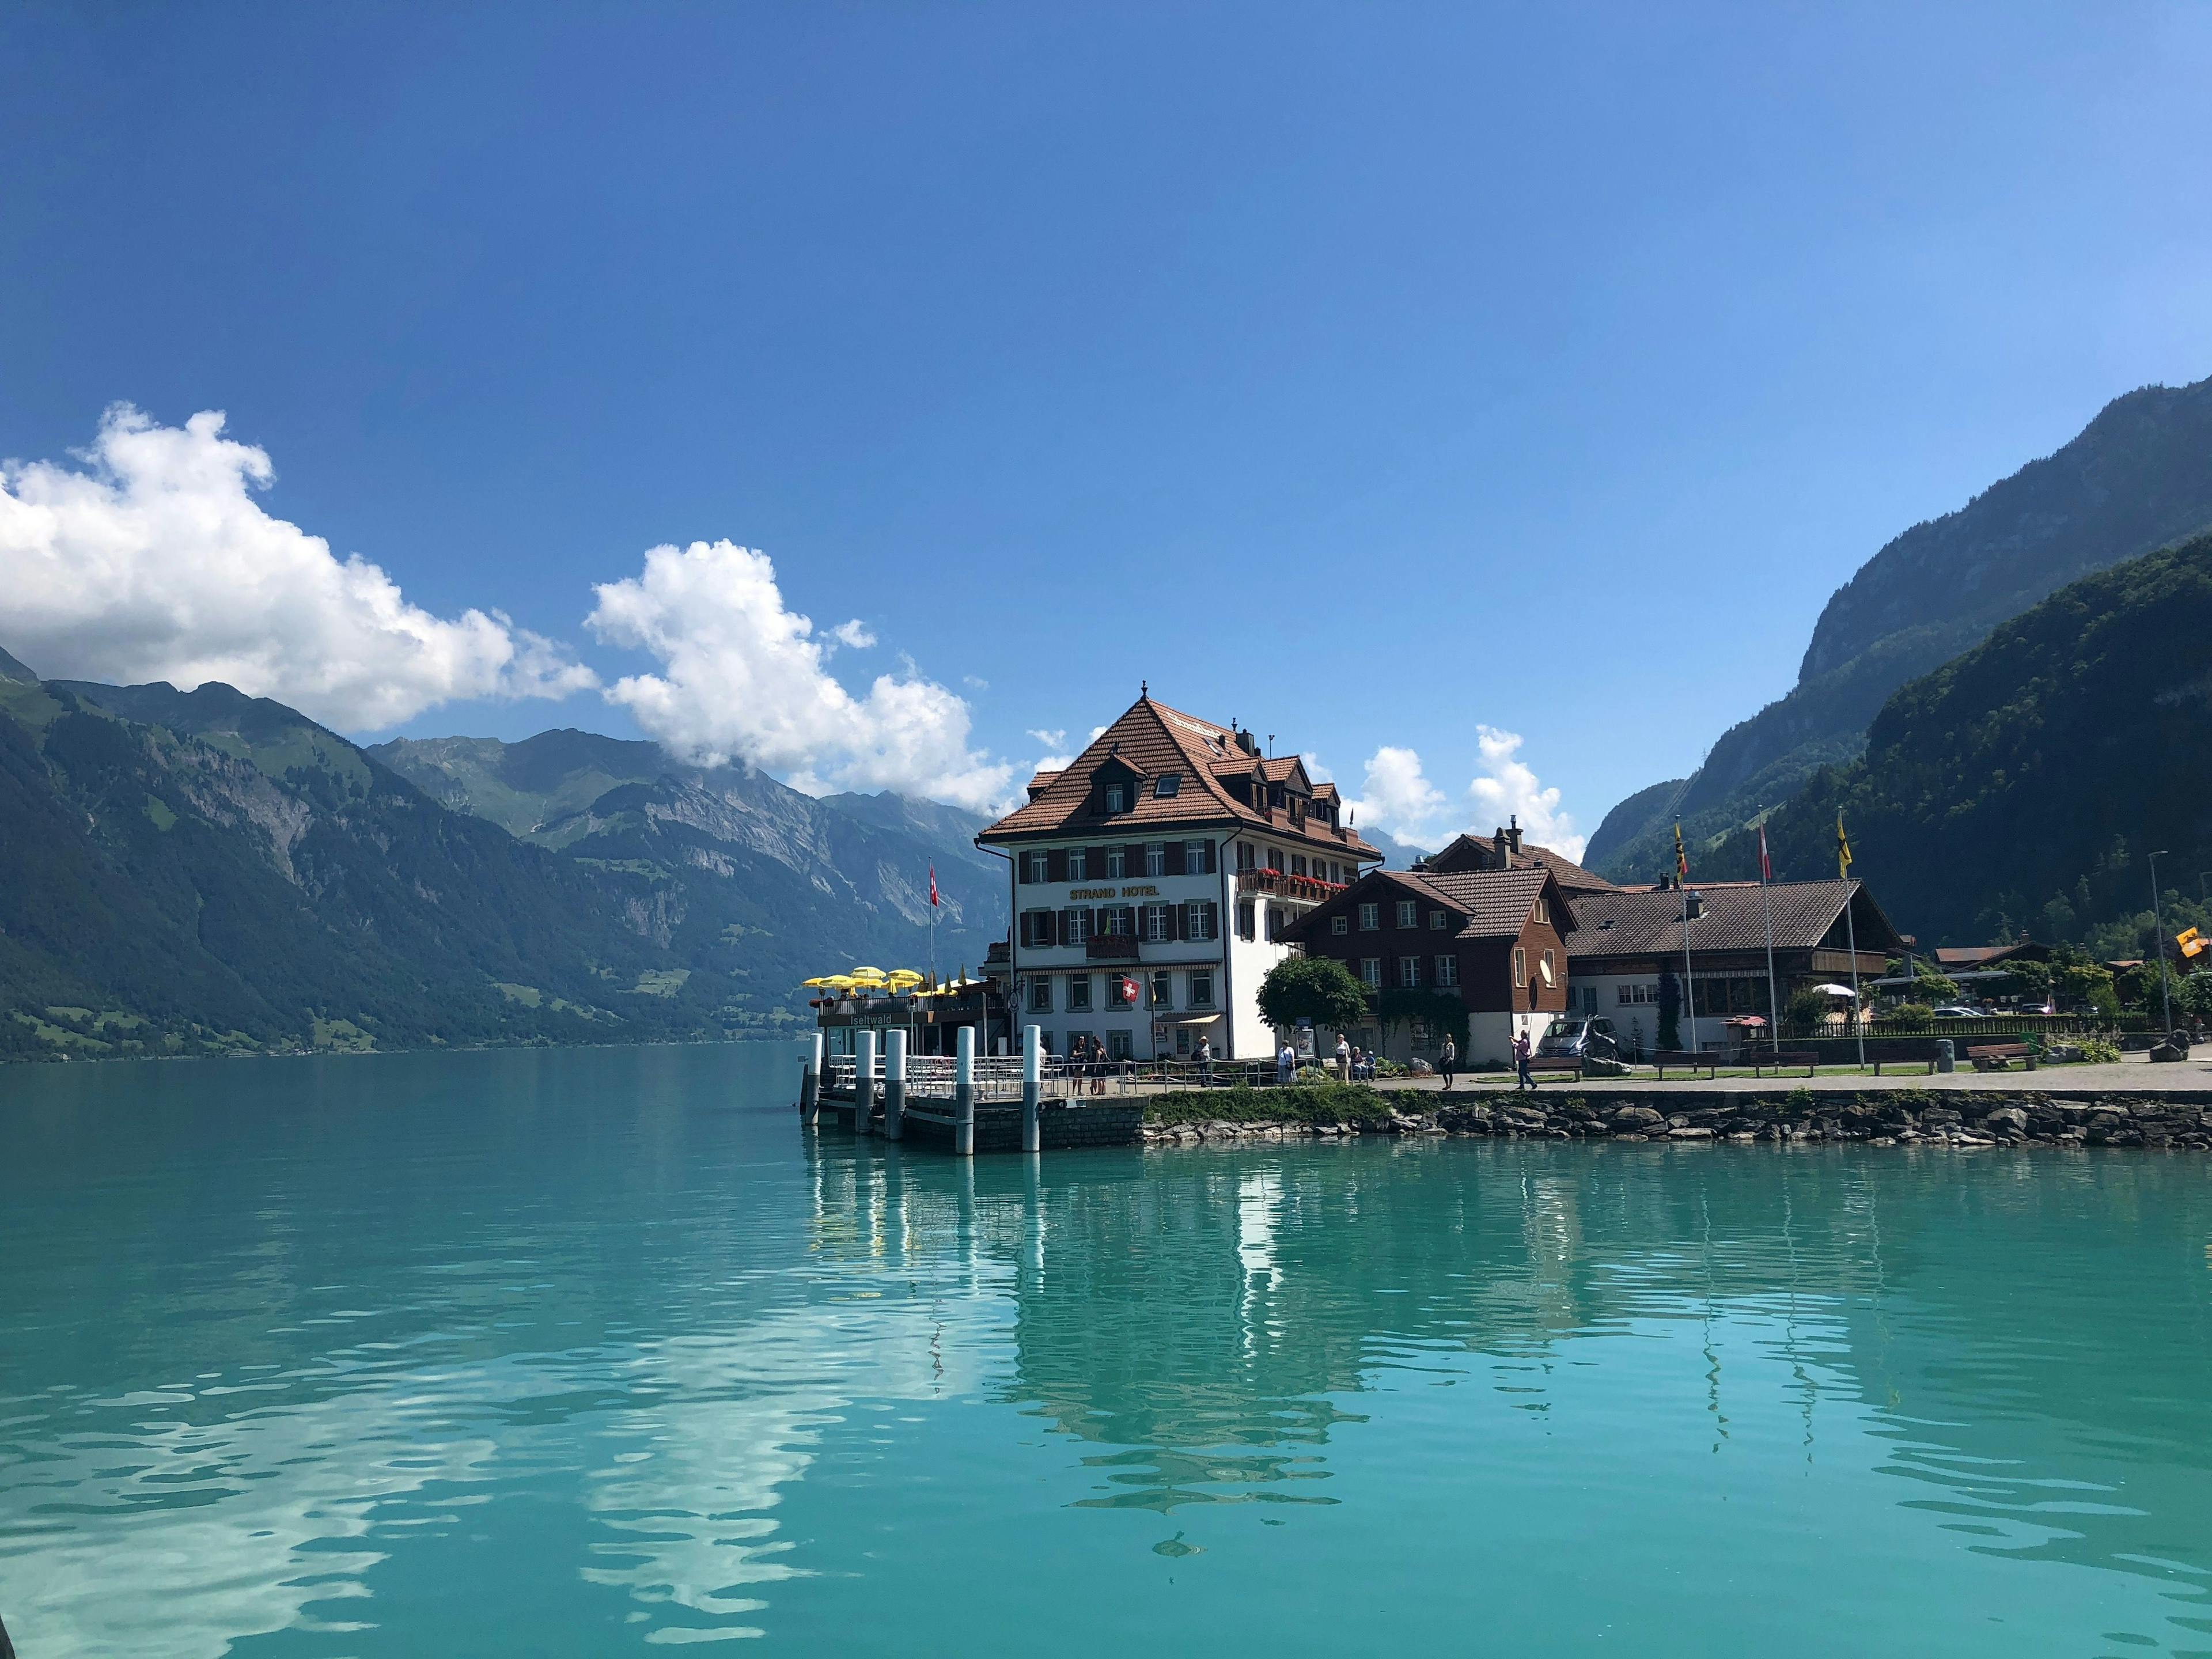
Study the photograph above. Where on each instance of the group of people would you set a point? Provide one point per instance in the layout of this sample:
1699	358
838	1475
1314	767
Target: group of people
1087	1058
1354	1064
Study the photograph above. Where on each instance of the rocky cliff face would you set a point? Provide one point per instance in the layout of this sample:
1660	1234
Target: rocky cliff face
2138	477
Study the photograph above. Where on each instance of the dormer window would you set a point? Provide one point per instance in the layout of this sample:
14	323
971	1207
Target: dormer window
1169	783
1117	797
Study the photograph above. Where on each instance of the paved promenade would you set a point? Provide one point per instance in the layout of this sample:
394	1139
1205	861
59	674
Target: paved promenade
2134	1073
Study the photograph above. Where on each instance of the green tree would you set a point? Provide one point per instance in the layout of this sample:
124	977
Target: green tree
1316	989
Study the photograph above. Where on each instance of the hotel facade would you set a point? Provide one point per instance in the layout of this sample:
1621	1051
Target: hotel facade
1155	880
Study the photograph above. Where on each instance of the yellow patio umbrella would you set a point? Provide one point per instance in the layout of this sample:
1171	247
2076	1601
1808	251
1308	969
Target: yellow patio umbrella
821	982
903	979
872	975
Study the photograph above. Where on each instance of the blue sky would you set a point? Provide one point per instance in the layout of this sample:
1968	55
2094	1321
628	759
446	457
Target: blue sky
1375	375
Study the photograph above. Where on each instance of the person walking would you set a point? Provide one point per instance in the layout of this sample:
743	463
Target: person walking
1525	1077
1343	1058
1448	1062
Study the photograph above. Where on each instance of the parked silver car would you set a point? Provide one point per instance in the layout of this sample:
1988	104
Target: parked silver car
1578	1037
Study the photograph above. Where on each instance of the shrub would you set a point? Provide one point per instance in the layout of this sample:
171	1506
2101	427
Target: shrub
2097	1051
1914	1014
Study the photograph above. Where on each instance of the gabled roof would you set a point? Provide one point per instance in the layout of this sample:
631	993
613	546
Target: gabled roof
1470	851
1648	922
1152	740
1989	956
1490	903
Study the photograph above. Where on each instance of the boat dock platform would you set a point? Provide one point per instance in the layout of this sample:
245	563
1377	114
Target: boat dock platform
960	1102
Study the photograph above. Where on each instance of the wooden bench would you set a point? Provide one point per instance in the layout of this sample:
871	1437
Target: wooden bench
1999	1056
1924	1055
1809	1058
1682	1061
1556	1063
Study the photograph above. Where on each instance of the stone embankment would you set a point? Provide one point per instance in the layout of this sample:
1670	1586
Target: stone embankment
1884	1118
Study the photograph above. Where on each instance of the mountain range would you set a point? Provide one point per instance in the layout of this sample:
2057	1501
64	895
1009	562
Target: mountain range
2021	787
207	872
2138	478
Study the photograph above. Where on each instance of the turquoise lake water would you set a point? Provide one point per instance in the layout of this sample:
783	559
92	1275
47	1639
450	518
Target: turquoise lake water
595	1353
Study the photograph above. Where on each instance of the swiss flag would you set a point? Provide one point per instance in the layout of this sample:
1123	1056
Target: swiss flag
933	899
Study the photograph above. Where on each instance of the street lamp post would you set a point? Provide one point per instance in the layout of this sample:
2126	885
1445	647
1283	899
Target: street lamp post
2158	920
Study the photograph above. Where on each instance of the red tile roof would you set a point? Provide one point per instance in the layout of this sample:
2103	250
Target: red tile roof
1493	903
1152	740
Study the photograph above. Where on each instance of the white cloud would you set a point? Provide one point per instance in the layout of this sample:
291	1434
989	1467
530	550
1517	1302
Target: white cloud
1506	788
1050	739
153	561
744	680
855	632
1397	799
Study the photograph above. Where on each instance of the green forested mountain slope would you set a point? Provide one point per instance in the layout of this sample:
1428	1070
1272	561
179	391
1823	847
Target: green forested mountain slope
209	873
2021	785
2138	477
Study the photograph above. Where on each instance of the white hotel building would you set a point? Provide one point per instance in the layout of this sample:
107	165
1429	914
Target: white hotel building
1152	879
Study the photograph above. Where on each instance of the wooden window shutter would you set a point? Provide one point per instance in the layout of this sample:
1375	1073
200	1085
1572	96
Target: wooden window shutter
1174	921
1055	864
1211	911
1175	858
1134	857
1060	925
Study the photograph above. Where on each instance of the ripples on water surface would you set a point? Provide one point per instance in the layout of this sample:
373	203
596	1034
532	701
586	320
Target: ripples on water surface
584	1353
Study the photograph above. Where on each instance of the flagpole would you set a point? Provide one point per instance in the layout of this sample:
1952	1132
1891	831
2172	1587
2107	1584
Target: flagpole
1689	981
1850	934
1767	900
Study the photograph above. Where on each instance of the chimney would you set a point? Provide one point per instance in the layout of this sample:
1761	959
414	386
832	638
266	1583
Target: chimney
1498	846
1513	832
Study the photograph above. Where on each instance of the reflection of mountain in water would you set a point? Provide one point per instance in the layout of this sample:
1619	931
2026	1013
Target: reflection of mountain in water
1211	1322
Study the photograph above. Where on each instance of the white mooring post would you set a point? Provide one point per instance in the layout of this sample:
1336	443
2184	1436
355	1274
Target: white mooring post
895	1085
864	1084
1032	1078
963	1094
809	1086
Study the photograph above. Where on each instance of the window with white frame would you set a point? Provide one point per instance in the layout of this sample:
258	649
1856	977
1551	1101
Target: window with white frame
1438	920
1040	993
1549	969
1298	864
1275	858
1033	866
1247	919
1155	922
1156	858
1198	920
1162	990
1625	992
1247	859
1075	925
1116	864
1078	862
1447	972
1371	918
1340	924
1194	857
1409	973
1371	972
1543	909
1520	966
1117	797
1408	912
1036	929
1201	987
1078	992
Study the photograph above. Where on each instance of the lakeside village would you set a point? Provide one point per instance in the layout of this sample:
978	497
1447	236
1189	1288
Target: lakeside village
1161	882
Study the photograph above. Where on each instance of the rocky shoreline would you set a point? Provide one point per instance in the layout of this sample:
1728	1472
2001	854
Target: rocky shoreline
1886	1118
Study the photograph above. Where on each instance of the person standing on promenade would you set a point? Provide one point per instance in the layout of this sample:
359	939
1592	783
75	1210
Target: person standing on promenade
1286	1063
1524	1077
1343	1058
1448	1062
1205	1060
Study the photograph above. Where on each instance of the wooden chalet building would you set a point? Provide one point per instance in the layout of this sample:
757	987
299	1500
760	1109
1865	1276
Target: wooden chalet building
1627	942
1496	938
1154	881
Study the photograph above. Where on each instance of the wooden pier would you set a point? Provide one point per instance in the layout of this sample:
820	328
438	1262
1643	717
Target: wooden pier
960	1102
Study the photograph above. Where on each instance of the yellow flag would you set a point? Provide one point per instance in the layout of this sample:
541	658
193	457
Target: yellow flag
2192	942
1681	857
1843	851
